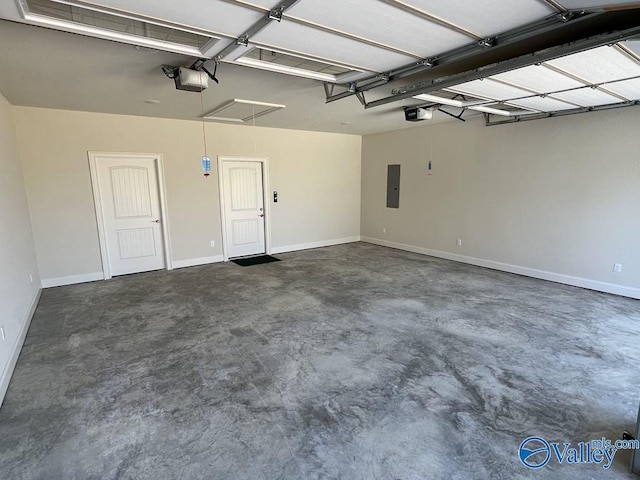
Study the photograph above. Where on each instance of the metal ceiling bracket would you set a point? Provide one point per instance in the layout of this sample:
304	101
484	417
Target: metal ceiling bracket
276	14
566	16
197	65
360	97
427	62
257	27
487	42
457	117
328	88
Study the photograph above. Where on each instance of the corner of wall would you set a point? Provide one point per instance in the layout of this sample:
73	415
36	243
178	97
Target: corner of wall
9	367
19	277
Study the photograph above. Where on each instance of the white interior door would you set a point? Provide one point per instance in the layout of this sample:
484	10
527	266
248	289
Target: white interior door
131	214
243	193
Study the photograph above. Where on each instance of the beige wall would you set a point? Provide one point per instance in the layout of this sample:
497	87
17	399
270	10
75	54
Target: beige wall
317	176
556	198
559	195
18	293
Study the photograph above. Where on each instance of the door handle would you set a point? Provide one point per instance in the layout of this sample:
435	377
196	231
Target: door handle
155	221
261	215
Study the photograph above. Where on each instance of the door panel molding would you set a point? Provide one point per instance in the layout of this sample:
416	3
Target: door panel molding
94	158
265	191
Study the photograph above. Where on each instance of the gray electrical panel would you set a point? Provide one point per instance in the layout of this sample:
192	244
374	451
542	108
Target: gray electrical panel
393	186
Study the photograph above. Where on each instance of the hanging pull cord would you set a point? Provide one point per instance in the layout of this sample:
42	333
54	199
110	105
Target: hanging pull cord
204	132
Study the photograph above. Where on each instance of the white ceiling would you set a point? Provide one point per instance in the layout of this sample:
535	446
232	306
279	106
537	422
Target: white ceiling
55	69
51	69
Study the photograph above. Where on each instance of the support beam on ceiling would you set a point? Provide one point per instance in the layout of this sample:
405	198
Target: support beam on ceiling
437	83
534	43
472	54
561	113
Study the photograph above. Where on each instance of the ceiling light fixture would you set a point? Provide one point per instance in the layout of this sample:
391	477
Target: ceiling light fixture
441	100
465	105
494	111
275	67
81	29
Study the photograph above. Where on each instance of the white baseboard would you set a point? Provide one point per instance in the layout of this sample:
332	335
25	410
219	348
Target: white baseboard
15	353
72	279
194	262
307	246
506	267
93	277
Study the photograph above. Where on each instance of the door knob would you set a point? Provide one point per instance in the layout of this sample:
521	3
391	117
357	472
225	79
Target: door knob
155	221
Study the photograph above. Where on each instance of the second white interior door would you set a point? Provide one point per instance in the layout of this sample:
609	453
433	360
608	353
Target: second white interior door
129	196
243	192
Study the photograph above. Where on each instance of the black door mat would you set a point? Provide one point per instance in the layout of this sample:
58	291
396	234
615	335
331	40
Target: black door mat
247	262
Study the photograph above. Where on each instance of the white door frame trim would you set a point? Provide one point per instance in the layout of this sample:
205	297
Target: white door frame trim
265	193
97	202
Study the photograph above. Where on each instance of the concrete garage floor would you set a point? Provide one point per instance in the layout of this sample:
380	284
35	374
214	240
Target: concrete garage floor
349	362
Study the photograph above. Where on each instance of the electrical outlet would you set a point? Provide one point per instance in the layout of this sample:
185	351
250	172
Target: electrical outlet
617	267
2	334
384	229
459	242
213	243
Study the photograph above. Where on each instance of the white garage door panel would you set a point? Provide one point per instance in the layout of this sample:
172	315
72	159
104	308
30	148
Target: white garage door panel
331	47
210	15
603	64
382	25
487	17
